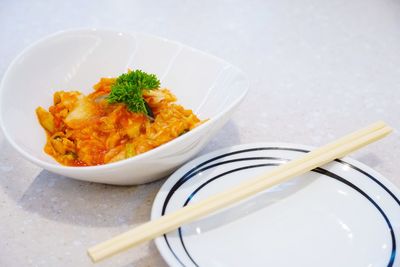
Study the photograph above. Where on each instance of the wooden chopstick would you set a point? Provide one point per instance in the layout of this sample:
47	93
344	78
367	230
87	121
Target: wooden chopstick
284	172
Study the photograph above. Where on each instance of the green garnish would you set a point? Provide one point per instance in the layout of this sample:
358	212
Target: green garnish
128	89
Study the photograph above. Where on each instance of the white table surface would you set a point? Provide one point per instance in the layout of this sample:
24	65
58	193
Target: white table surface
318	70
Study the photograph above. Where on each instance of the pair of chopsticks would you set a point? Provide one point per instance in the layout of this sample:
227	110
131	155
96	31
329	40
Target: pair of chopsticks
282	173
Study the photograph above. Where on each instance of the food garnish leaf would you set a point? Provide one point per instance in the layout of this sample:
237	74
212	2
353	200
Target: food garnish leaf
128	89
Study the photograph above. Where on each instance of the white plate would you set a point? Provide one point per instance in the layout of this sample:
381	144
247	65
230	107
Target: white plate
343	214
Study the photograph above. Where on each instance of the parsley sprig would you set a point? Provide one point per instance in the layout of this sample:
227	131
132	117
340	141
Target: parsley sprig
128	89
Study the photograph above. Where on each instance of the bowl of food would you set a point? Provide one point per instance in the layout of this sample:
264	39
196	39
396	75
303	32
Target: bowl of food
116	108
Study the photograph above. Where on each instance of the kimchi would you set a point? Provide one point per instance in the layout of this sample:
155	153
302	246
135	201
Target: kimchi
88	130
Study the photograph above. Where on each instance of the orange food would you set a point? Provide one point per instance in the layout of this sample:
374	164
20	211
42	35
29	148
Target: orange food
87	130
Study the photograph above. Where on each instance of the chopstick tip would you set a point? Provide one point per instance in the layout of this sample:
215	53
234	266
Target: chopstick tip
91	256
380	123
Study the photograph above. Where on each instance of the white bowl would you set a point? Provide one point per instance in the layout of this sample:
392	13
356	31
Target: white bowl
75	60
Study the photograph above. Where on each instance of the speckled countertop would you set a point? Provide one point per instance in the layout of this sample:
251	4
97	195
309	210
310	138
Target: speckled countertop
318	69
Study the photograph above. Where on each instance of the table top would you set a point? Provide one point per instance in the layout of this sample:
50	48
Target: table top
318	70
